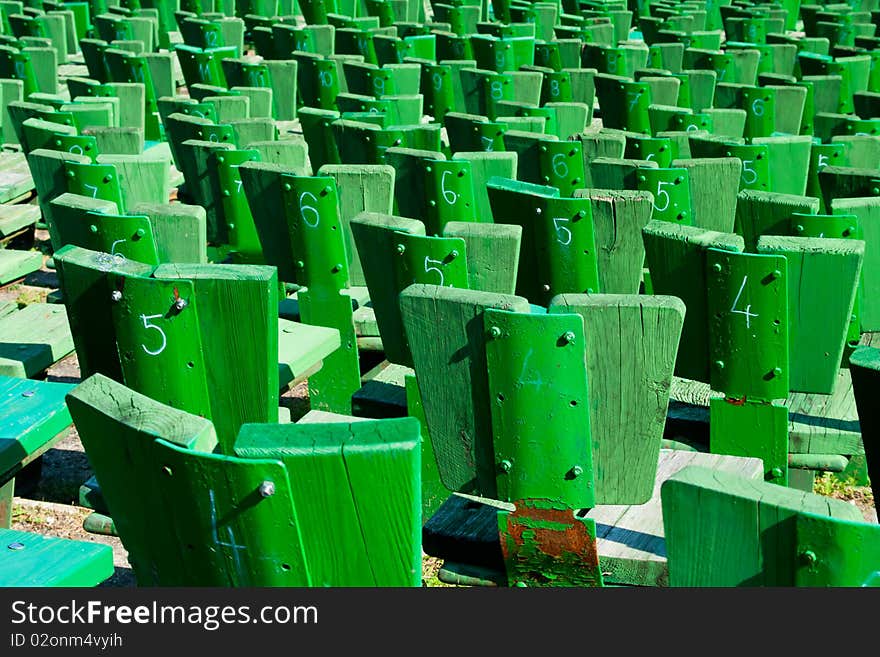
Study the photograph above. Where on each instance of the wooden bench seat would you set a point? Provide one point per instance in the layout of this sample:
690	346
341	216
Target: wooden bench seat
301	350
18	264
16	218
34	338
28	559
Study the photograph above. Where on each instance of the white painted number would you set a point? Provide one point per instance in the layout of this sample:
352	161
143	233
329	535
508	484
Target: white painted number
448	195
147	325
309	209
634	99
662	192
436	269
747	312
747	169
496	91
560	168
758	107
823	162
488	142
563	234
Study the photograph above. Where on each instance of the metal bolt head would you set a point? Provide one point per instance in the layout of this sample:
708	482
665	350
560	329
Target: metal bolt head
808	557
267	489
16	546
93	228
776	473
568	336
719	364
505	465
717	267
116	296
777	371
495	332
577	471
28	393
180	304
454	254
140	232
799	228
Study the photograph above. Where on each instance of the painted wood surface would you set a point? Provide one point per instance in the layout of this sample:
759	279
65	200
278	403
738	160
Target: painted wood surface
30	560
373	538
208	531
631	343
823	275
34	338
18	264
724	530
631	540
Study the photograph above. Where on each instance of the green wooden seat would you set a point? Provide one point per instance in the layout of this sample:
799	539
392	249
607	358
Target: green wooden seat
308	248
209	534
558	253
31	560
33	339
490	353
773	536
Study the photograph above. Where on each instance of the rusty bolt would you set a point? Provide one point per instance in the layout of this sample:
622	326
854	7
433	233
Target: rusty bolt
267	489
180	304
116	296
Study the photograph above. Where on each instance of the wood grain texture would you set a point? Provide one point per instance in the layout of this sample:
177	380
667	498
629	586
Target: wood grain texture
243	377
179	229
368	473
631	344
444	327
765	213
492	254
18	264
676	257
618	219
714	186
34	338
47	169
724	530
823	275
361	188
867	209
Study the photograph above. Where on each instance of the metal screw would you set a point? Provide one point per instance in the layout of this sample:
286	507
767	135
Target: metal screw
577	471
180	304
808	557
777	371
495	332
93	228
267	489
505	465
568	336
16	546
116	296
453	255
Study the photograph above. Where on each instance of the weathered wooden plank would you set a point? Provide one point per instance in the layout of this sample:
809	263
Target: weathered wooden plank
302	347
48	561
867	209
714	185
766	213
618	219
179	229
492	254
766	546
373	538
14	218
631	342
34	338
823	275
18	264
